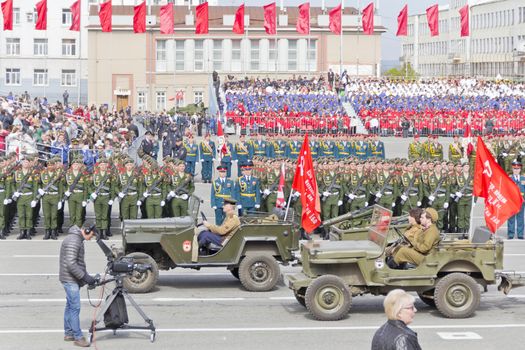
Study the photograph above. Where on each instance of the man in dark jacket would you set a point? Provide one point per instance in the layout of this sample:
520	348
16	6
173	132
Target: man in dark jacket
73	275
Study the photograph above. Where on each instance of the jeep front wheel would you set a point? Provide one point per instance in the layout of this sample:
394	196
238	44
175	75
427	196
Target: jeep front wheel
328	298
457	295
142	282
259	273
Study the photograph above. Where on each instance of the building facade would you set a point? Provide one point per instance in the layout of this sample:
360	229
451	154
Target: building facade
495	47
155	72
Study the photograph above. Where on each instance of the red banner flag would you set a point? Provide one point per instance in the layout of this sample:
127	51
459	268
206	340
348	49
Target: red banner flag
41	12
105	16
433	20
270	18
75	16
281	202
238	25
7	12
303	20
368	19
464	14
221	141
335	20
502	196
305	183
139	18
201	23
167	21
402	22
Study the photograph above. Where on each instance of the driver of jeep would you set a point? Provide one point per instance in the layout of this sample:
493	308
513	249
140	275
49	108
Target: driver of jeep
219	234
426	240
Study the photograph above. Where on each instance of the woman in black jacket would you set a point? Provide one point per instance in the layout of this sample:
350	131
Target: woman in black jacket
395	334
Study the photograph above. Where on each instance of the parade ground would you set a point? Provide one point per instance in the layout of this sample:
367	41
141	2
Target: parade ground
209	309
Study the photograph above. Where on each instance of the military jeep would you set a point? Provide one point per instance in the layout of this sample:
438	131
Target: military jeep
450	278
252	254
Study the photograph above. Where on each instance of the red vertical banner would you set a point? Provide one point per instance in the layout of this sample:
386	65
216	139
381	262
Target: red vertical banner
105	14
305	183
433	20
139	18
201	22
7	12
238	25
41	11
167	21
464	20
335	15
270	18
368	19
303	20
75	16
402	22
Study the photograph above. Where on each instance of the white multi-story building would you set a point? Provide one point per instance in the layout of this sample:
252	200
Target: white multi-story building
495	47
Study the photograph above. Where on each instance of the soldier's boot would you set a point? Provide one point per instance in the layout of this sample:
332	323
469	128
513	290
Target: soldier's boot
27	235
21	235
60	230
47	235
103	234
54	234
108	232
2	234
32	231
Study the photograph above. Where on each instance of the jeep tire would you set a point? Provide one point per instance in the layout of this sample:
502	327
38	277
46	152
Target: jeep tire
142	282
457	295
328	298
259	273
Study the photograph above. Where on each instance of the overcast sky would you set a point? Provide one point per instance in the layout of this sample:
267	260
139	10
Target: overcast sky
388	10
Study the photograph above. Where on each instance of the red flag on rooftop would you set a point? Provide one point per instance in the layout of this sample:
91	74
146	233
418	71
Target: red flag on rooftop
281	202
238	25
104	14
368	19
166	19
402	22
433	20
502	196
201	22
139	18
303	20
464	20
41	10
7	12
75	16
305	183
270	18
335	20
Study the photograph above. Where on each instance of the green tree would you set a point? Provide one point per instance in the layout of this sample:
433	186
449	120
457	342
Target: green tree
405	70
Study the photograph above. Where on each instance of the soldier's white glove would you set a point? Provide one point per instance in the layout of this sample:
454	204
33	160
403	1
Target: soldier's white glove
418	204
504	154
431	198
213	159
146	194
393	204
33	204
239	206
214	208
234	160
16	194
6	202
171	194
326	194
522	153
110	202
202	160
339	203
139	203
257	206
403	197
459	194
67	194
41	192
162	203
84	203
297	194
379	195
184	196
121	195
445	205
59	205
366	204
351	196
94	195
266	192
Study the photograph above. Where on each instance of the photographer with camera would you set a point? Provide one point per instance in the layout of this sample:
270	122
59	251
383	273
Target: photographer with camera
73	275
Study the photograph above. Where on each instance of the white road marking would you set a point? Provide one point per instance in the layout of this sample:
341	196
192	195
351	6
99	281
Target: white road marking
281	298
199	299
459	335
27	274
514	254
35	256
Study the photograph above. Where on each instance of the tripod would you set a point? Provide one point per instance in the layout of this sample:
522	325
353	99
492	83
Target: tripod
118	296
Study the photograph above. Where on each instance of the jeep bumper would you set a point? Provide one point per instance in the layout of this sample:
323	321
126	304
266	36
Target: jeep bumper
297	281
510	280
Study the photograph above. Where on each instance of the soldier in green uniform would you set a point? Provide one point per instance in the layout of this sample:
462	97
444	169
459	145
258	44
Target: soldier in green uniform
411	189
180	187
270	185
26	186
51	191
415	149
455	150
154	189
435	149
357	192
102	189
463	194
76	191
386	186
331	189
129	186
6	189
438	193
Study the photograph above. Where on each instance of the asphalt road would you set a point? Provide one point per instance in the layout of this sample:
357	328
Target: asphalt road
209	309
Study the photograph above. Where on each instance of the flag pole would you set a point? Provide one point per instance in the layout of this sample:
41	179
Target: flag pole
288	204
341	42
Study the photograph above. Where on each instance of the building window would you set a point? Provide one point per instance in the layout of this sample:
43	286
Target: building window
272	55
40	77
179	99
12	47
69	77
198	97
12	76
68	47
161	100
179	55
66	17
161	62
217	54
199	55
254	55
16	15
236	56
40	47
141	100
292	54
312	56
